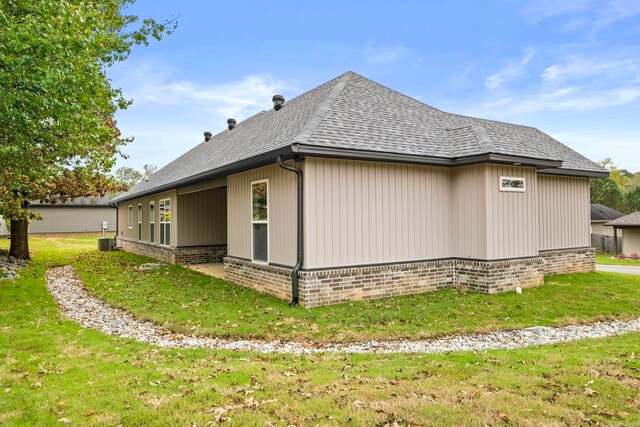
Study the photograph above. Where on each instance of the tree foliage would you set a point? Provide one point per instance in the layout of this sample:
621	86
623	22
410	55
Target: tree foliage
58	139
605	192
127	176
621	191
633	199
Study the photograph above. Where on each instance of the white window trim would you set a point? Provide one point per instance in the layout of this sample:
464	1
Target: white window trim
130	217
510	189
139	221
165	222
152	219
260	221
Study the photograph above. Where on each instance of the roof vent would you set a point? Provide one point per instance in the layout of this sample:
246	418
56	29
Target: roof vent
207	136
278	102
231	123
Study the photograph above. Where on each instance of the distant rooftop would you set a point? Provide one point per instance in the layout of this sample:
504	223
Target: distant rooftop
628	221
80	201
603	213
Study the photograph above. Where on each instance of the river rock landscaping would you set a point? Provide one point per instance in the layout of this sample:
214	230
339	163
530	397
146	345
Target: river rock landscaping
91	312
10	267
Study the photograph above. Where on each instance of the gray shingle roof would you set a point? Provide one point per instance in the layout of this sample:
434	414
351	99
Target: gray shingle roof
79	201
630	221
603	213
353	113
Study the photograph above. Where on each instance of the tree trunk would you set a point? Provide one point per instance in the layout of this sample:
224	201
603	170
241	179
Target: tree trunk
19	239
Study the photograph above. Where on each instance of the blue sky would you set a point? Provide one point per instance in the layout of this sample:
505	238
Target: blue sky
569	67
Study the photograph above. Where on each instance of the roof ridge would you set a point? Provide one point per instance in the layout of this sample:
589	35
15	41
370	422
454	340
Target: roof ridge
322	110
529	146
483	138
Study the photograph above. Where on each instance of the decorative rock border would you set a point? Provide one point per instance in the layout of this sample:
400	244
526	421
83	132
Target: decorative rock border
91	312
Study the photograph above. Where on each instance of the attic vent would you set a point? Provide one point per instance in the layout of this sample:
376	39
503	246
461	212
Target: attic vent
207	136
231	123
278	102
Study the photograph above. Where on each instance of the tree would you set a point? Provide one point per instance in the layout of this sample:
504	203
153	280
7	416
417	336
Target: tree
127	176
605	192
619	176
58	139
149	170
633	200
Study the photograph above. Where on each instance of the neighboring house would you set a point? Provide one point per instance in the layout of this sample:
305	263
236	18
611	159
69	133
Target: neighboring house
600	214
3	227
355	191
81	215
630	226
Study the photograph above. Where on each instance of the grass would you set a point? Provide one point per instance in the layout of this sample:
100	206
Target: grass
53	372
608	259
187	301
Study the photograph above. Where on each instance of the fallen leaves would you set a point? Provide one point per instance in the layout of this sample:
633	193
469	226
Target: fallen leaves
219	414
590	392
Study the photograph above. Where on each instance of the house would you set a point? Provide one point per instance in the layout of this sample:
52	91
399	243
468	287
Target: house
355	191
602	235
630	226
600	214
80	215
3	227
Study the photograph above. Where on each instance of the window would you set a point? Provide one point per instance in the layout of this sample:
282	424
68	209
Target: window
139	222
152	222
130	216
508	183
260	220
165	222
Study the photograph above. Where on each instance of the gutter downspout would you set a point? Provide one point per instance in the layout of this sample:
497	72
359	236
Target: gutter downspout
300	230
115	206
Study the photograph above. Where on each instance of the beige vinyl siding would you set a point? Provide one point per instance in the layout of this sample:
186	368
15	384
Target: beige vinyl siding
564	212
3	227
281	212
132	233
203	218
364	213
631	241
468	212
512	217
72	219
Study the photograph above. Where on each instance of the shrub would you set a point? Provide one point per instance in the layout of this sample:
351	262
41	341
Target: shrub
634	256
620	256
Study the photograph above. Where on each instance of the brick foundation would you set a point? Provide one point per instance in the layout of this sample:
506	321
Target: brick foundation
333	286
264	278
182	255
499	276
564	261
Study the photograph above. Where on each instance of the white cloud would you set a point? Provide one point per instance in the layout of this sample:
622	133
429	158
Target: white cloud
384	54
512	69
574	67
591	14
168	115
539	10
237	99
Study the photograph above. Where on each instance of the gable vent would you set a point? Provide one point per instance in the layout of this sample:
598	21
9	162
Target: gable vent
278	102
231	123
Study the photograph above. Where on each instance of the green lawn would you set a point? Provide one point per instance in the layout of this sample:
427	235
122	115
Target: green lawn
53	372
187	301
602	258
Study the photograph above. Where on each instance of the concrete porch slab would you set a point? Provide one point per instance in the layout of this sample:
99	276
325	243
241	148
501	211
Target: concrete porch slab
215	269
